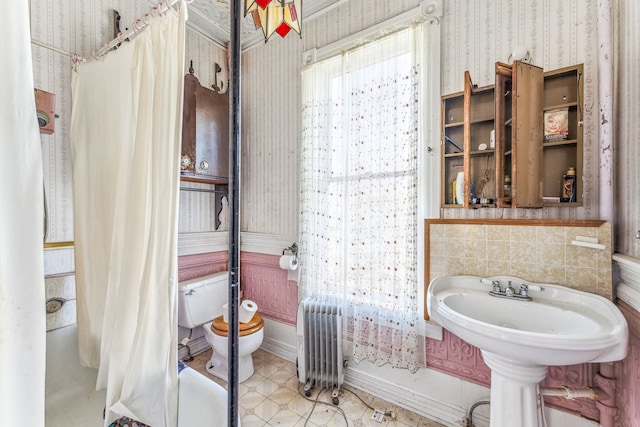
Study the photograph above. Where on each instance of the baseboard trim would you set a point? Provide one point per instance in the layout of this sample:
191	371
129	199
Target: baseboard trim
392	393
405	398
280	349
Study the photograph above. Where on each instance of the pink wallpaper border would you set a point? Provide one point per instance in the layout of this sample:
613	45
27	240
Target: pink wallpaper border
264	282
261	280
628	373
455	357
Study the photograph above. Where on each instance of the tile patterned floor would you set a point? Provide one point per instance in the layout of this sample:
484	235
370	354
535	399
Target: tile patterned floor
271	398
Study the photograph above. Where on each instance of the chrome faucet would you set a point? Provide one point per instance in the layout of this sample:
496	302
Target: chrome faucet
509	291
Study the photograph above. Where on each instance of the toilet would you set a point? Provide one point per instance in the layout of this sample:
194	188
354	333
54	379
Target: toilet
200	303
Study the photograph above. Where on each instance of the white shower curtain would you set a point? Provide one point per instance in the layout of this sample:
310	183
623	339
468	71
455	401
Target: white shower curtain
22	304
125	134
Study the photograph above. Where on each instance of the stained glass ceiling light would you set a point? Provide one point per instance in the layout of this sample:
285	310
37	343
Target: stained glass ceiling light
279	16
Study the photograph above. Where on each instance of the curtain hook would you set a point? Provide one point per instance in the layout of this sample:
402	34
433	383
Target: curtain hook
76	59
136	26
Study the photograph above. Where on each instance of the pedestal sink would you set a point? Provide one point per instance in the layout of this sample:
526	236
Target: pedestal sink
520	338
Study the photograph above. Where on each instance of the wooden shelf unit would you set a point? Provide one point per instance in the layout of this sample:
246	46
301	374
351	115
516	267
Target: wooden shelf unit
452	159
563	88
536	167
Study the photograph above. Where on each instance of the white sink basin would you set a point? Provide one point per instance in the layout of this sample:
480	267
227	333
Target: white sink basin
560	326
519	339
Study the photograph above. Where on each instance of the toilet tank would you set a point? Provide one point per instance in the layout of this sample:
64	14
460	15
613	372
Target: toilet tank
200	300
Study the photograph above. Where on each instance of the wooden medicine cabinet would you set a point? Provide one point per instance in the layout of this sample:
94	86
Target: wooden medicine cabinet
205	134
496	136
518	135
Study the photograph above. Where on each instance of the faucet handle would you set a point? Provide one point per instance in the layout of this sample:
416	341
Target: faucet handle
496	286
524	290
509	291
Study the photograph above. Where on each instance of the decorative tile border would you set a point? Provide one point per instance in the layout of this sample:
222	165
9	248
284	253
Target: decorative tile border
628	370
64	288
455	357
59	260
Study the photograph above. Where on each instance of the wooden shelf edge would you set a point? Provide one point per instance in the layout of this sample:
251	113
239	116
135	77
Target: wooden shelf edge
516	222
487	152
454	155
480	121
453	125
563	205
560	143
212	181
558	106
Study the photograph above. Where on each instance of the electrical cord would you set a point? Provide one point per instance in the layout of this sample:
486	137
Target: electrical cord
386	413
316	401
338	409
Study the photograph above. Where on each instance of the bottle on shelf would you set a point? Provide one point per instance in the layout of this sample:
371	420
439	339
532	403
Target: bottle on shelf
569	186
507	186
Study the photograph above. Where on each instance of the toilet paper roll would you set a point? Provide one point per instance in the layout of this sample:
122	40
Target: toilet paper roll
225	313
288	262
247	309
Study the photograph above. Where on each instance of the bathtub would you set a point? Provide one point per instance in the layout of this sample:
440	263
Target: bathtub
72	401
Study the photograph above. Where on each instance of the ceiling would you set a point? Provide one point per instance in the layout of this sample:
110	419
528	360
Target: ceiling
211	18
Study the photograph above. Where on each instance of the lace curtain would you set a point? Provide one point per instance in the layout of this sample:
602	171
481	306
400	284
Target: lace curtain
359	194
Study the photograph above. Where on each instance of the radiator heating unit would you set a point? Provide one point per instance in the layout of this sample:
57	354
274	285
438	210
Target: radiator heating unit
319	341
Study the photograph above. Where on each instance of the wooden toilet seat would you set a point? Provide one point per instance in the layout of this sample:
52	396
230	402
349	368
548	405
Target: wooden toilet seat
220	327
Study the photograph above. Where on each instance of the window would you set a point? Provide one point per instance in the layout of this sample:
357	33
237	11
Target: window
359	193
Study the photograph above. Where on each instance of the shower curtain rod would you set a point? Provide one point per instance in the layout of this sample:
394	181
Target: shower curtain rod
139	25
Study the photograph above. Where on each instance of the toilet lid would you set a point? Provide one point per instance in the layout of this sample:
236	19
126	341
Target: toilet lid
220	327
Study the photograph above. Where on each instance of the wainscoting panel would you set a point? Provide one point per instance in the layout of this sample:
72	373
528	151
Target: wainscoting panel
456	357
628	373
261	280
192	266
265	283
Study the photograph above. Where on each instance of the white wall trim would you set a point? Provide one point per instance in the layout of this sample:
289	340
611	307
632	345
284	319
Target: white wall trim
270	244
217	241
404	397
200	243
628	286
426	11
280	349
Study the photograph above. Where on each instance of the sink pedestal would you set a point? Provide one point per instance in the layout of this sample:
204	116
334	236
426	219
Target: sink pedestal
514	390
